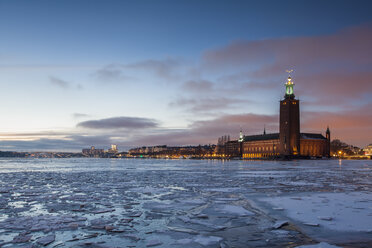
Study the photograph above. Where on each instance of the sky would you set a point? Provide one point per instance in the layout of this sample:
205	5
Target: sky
79	73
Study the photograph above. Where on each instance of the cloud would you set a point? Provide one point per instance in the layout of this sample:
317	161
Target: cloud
336	88
199	132
112	73
350	45
68	143
89	140
119	122
59	82
330	71
165	69
201	86
43	144
63	84
201	105
79	115
352	126
207	132
35	134
230	124
332	68
53	67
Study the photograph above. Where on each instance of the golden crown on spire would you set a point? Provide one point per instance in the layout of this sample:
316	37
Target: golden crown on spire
289	76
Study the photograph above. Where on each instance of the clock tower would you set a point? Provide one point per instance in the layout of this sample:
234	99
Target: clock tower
289	124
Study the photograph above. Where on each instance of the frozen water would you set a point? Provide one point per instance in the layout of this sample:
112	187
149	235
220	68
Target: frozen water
338	211
235	210
279	224
178	203
46	240
153	242
319	245
210	240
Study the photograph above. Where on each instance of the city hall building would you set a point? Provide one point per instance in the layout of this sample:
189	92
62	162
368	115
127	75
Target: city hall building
289	142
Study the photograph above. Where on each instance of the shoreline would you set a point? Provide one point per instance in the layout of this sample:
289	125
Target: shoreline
202	158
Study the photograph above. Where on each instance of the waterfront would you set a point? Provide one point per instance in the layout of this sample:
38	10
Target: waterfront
184	203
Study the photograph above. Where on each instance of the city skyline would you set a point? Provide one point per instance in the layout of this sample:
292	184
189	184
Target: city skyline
82	73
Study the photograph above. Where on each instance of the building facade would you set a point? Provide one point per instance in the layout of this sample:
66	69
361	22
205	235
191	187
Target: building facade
261	146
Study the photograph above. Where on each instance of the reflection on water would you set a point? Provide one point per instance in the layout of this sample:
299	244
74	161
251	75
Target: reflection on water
98	164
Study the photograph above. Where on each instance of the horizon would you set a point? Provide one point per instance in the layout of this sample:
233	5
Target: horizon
77	74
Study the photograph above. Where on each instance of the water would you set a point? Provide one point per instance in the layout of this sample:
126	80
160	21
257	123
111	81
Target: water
178	203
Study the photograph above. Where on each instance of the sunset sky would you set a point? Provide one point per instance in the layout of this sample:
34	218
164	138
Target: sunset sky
80	73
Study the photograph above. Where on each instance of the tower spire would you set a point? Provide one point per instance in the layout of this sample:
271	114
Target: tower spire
241	136
289	86
264	129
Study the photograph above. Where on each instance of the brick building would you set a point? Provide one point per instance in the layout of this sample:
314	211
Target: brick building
289	142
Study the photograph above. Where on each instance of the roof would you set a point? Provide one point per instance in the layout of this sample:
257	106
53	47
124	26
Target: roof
312	136
269	136
272	136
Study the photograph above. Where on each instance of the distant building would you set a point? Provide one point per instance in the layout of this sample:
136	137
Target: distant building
113	149
93	152
368	150
172	151
221	144
289	142
233	148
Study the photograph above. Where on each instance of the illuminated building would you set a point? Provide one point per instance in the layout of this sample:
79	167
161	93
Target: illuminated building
368	150
113	149
289	142
172	151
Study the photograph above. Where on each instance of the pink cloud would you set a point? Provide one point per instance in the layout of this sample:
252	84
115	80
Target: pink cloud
332	69
350	45
353	126
205	132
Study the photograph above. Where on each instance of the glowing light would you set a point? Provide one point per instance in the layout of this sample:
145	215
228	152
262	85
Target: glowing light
289	84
